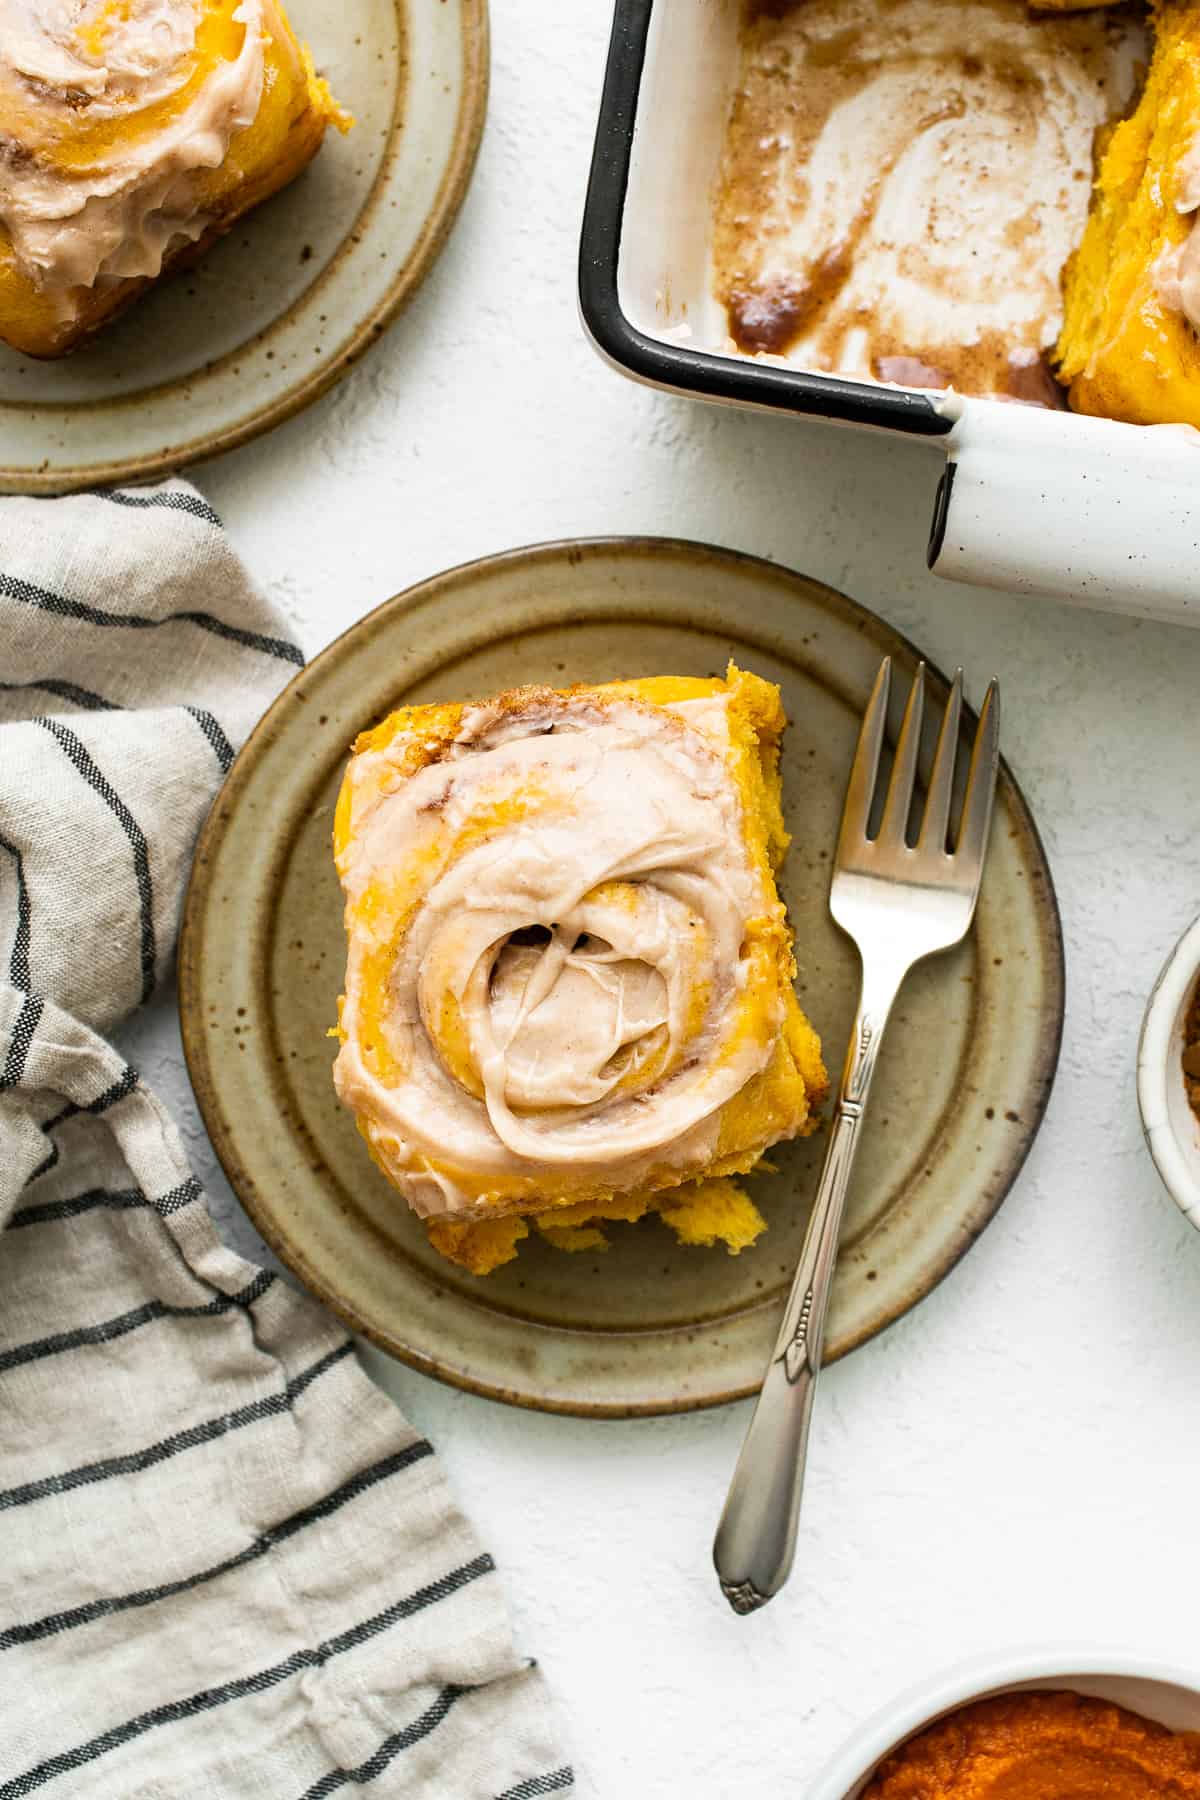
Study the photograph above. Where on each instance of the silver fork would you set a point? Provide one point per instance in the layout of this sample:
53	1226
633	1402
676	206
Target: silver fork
900	903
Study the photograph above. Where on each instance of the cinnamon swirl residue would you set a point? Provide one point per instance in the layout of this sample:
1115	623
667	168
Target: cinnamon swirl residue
903	181
1191	1053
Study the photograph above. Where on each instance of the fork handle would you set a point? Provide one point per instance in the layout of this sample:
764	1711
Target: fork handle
756	1538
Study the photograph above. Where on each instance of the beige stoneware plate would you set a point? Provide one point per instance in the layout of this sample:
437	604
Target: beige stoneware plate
648	1326
300	288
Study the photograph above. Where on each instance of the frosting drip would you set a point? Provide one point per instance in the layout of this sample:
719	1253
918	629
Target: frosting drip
573	992
110	110
1177	274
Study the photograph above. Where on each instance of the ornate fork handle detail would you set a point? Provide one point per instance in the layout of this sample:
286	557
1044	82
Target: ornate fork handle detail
757	1534
795	1356
860	1066
743	1596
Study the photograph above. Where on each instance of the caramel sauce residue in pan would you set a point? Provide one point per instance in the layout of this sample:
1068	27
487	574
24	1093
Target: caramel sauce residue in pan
903	181
1191	1052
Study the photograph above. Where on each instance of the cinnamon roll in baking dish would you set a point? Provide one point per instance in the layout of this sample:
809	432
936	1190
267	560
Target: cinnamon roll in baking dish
569	984
1130	343
133	133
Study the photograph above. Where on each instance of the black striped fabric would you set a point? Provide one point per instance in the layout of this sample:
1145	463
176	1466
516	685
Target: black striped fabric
556	1781
221	746
87	701
18	959
69	691
235	1572
118	1090
73	1205
393	1746
106	1331
173	500
257	1682
205	1431
19	1042
96	779
105	1607
28	593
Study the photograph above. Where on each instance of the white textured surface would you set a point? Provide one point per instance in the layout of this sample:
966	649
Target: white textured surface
1016	1459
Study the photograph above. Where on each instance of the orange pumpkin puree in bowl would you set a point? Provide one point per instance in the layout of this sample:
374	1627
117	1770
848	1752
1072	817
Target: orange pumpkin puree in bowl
1041	1746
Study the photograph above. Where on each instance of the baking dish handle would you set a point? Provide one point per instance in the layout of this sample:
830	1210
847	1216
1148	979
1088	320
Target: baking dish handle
1084	510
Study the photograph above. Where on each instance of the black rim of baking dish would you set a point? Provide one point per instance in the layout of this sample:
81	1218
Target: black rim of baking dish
675	366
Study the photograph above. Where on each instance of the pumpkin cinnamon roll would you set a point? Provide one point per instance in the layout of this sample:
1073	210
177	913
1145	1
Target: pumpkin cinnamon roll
132	134
569	983
1130	343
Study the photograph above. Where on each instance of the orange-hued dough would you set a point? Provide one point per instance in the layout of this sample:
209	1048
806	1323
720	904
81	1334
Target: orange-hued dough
1124	352
456	1055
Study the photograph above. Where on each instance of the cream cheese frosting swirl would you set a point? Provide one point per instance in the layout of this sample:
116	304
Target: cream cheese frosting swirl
108	113
1177	272
556	974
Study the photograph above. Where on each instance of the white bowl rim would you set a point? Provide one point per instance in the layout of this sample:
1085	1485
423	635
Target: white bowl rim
1155	1064
975	1679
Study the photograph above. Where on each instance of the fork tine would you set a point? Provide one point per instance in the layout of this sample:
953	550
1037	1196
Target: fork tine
894	827
864	770
981	783
936	823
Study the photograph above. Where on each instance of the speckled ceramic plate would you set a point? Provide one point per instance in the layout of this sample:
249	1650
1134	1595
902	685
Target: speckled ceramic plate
648	1326
301	287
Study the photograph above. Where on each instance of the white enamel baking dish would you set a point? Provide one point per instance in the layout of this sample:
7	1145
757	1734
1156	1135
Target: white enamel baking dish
1087	510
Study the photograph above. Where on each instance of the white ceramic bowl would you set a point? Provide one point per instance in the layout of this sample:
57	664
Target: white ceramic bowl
1155	1689
1171	1127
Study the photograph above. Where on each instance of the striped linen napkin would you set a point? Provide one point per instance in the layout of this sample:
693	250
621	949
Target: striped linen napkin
228	1567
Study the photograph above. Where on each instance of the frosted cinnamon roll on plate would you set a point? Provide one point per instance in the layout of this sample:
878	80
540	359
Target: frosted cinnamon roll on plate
133	133
569	992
